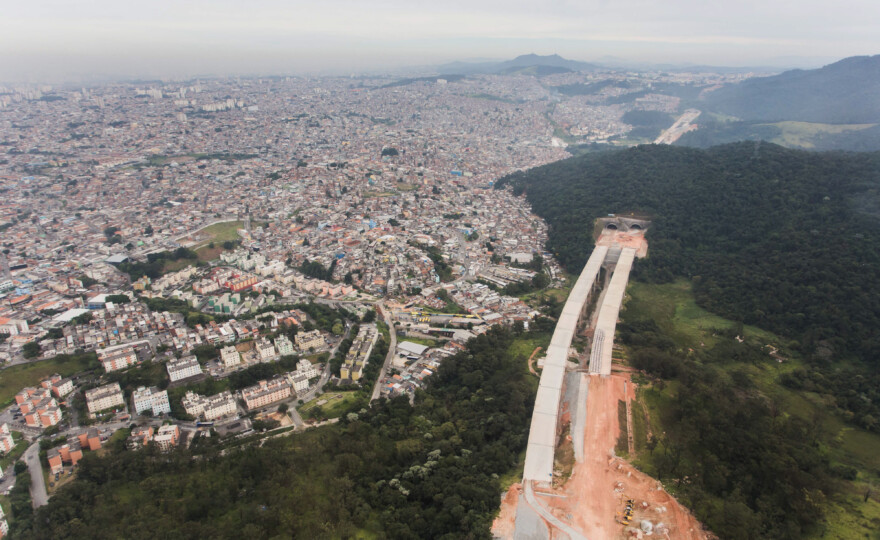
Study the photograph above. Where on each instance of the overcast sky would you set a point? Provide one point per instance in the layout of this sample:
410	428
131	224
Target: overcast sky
61	39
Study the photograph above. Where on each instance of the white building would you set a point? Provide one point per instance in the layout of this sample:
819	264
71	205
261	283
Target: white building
183	368
150	399
266	351
104	397
230	356
305	367
212	408
299	381
284	346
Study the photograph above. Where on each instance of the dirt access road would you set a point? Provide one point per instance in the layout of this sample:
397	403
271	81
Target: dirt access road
595	495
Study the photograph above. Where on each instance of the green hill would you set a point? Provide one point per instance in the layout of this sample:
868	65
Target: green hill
758	446
782	239
845	92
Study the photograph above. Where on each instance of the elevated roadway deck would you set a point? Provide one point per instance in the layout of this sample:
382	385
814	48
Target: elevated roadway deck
542	434
603	338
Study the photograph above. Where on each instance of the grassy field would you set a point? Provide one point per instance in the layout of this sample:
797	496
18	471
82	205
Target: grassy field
801	133
672	307
13	379
336	404
524	345
217	233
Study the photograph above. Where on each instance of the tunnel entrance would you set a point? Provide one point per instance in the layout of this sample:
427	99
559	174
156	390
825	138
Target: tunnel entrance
635	226
611	226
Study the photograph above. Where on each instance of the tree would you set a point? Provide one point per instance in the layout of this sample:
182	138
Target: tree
31	349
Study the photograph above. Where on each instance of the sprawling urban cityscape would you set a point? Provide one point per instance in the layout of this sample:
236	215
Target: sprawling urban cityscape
340	232
393	276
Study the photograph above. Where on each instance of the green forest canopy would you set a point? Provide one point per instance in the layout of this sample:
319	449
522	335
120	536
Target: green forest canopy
782	239
397	471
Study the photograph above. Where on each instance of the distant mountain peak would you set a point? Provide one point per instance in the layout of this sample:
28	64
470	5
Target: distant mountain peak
536	64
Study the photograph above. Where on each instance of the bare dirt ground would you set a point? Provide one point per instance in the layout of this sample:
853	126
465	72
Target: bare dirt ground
531	360
597	492
505	523
632	239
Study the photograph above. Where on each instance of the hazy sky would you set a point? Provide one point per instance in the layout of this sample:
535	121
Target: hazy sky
59	39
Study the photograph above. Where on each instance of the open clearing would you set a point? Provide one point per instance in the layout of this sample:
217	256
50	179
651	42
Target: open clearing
13	379
801	133
333	404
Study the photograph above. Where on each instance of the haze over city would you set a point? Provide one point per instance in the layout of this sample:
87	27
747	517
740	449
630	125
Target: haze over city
57	40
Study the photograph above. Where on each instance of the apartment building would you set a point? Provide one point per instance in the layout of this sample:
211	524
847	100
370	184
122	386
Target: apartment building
306	368
284	346
183	368
104	397
309	340
298	381
167	437
211	408
119	358
58	385
230	356
150	399
6	440
266	351
39	408
266	392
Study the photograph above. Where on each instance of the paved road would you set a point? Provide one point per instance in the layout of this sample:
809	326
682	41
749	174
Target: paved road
391	350
536	505
39	497
325	374
297	419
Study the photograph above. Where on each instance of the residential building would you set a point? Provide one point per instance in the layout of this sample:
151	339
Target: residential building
13	327
299	381
183	368
104	397
4	527
309	340
358	354
211	408
266	351
139	437
90	439
116	359
71	452
6	440
230	356
150	399
38	407
58	385
306	368
167	437
284	346
54	459
266	392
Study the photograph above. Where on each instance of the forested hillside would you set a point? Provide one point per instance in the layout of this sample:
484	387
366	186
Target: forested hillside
781	239
844	92
393	471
